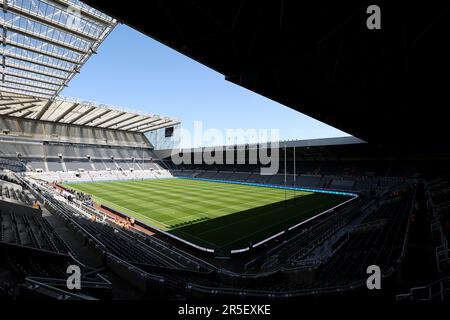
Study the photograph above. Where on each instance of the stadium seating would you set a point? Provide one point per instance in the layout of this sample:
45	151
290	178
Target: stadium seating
332	182
28	130
44	274
438	191
128	246
31	231
334	248
381	245
352	238
99	175
12	165
346	270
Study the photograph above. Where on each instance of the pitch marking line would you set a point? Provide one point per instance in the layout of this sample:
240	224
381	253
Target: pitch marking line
137	213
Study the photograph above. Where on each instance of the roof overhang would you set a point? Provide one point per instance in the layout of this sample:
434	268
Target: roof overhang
82	113
44	43
387	86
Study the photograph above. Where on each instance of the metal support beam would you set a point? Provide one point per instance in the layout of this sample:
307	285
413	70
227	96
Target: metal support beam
65	113
148	126
92	108
8	95
26	114
84	12
19	45
20	75
18	67
141	124
41	37
164	125
4	44
39	40
44	109
18	102
18	110
123	124
109	119
121	121
33	93
48	22
28	85
95	117
71	112
36	62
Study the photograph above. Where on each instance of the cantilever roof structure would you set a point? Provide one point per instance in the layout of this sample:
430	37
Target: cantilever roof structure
75	112
44	43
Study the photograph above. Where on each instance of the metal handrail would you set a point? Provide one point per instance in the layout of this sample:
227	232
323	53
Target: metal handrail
58	290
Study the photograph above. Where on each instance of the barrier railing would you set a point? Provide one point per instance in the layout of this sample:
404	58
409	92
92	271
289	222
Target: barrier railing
438	290
58	293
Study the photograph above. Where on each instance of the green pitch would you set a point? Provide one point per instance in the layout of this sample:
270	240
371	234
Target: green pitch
211	214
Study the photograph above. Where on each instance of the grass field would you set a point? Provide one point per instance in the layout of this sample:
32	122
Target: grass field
211	214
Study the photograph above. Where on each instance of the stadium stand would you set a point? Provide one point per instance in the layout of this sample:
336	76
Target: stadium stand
331	182
327	256
157	256
397	216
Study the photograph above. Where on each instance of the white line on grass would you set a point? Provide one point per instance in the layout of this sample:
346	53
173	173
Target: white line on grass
134	212
166	210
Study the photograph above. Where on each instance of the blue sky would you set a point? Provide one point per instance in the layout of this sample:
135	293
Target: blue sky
134	71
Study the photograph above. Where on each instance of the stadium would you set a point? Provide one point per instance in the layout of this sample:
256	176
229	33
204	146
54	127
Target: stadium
98	186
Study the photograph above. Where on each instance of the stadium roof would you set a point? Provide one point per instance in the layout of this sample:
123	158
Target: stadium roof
318	57
46	42
74	112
